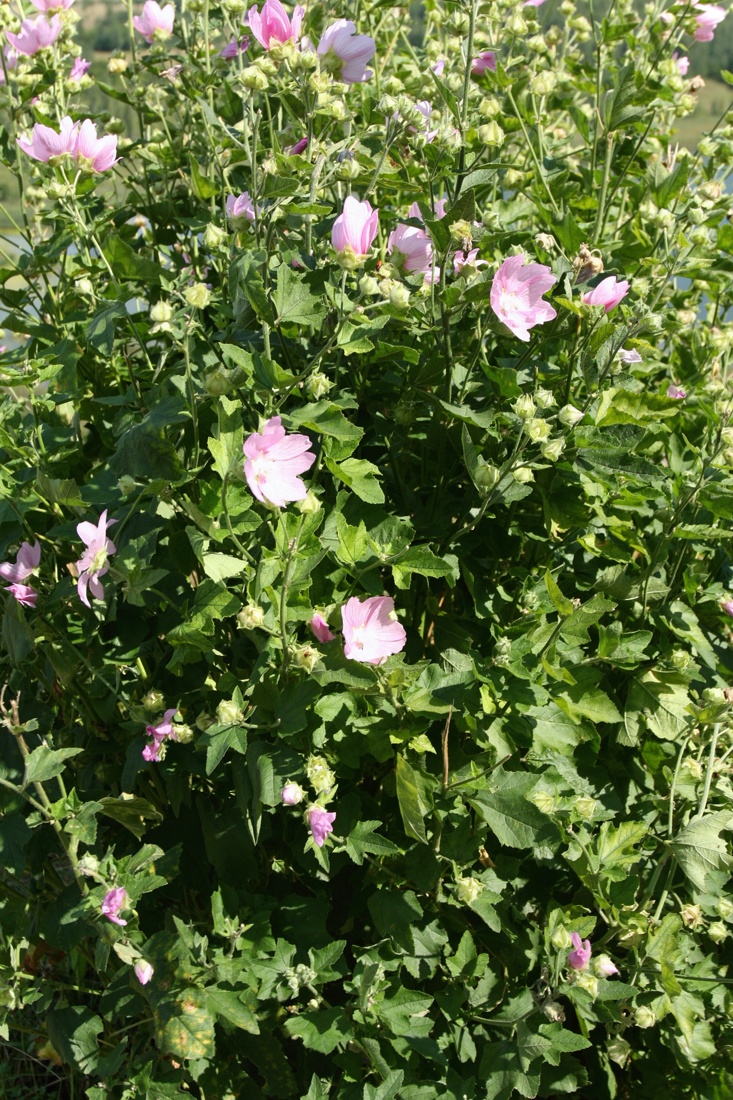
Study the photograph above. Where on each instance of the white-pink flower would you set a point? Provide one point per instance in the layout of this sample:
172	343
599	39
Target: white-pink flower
608	293
439	67
355	228
233	48
706	20
274	460
143	971
438	209
273	25
45	143
24	594
426	109
11	61
467	259
156	23
240	209
79	69
627	357
415	250
516	295
159	734
113	903
533	3
345	52
320	630
676	391
683	63
26	562
579	957
371	634
485	61
94	153
292	794
320	823
35	34
93	563
51	5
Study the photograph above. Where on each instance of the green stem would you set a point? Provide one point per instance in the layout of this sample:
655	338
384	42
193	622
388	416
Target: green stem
709	771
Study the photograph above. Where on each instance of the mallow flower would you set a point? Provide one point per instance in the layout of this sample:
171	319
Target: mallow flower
79	69
579	958
240	209
516	295
35	34
608	293
484	61
94	153
320	823
354	230
273	25
51	5
415	248
159	734
371	635
45	142
26	562
93	563
24	594
345	53
113	903
707	18
143	971
292	794
676	391
467	259
156	23
319	629
438	209
274	460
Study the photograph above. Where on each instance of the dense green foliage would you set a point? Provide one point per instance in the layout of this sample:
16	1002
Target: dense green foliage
549	754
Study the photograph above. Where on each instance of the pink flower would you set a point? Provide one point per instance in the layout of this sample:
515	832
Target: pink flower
35	34
273	23
321	824
438	210
298	148
24	594
533	3
605	967
355	228
46	143
707	19
240	209
608	293
319	629
676	391
152	751
273	462
461	260
143	971
27	561
439	66
484	61
233	48
370	632
93	563
113	902
292	794
155	23
426	109
580	957
415	248
11	61
727	606
79	68
629	357
346	52
50	5
93	153
683	63
516	295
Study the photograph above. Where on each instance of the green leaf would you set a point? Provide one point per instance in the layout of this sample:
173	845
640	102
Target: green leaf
128	264
405	1012
228	1004
73	1032
562	604
619	406
363	840
662	701
133	813
44	763
387	1090
516	822
295	302
413	803
352	541
184	1026
421	560
203	187
226	442
221	567
615	845
360	476
700	849
323	1031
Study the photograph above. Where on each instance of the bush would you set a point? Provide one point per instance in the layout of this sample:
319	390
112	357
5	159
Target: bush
366	486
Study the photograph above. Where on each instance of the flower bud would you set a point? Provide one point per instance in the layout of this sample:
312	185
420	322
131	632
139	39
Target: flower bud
203	721
161	312
253	79
320	776
306	657
309	505
553	449
218	381
215	236
183	732
491	133
544	802
645	1017
543	83
84	286
368	285
587	981
524	407
89	865
292	794
537	430
251	617
691	916
349	170
604	967
485	477
399	296
570	416
117	65
228	713
725	908
663	219
468	889
318	385
547	242
717	931
143	971
585	806
153	701
459	22
561	939
516	24
523	475
126	485
545	399
460	231
197	295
